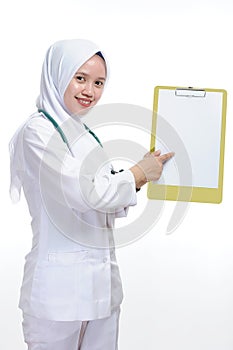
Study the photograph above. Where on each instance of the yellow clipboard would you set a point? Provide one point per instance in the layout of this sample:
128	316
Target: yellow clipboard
191	122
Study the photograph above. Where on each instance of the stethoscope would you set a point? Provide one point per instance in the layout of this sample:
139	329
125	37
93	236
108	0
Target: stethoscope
64	138
60	131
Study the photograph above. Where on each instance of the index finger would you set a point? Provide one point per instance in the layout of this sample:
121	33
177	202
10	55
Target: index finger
165	157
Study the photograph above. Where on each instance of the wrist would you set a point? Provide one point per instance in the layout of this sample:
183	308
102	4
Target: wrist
139	176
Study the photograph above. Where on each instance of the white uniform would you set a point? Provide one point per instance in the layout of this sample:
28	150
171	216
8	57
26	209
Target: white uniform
71	275
66	280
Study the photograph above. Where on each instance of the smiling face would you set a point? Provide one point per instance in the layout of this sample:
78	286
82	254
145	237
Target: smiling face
86	87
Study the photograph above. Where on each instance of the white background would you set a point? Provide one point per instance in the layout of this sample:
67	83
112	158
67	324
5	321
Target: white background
178	287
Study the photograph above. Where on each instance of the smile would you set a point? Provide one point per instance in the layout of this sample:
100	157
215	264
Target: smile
83	102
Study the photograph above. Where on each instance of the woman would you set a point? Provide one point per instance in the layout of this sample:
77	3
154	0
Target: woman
71	291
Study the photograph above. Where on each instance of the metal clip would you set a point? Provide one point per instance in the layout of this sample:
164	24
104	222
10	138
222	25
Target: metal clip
190	92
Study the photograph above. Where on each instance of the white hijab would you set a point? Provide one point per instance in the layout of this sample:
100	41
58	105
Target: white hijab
62	61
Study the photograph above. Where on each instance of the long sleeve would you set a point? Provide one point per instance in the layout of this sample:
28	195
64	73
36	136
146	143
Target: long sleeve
83	182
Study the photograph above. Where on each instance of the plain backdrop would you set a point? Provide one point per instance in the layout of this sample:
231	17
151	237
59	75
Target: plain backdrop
178	288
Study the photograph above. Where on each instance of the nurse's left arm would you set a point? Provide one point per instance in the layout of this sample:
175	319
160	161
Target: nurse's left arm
111	193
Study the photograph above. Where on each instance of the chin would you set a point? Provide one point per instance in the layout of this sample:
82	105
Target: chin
81	113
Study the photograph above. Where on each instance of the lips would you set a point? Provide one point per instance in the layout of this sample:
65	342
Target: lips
84	102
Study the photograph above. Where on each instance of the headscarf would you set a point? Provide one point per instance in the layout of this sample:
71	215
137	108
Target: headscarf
62	61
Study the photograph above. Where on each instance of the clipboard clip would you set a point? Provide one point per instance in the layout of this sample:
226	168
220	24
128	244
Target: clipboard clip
190	92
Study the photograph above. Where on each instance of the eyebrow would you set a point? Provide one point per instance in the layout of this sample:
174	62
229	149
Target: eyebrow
83	73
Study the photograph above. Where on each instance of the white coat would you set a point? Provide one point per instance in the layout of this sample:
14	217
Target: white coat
71	271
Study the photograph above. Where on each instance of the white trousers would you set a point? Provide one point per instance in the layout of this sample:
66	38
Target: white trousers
99	334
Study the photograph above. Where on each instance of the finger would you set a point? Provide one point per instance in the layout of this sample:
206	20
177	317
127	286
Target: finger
165	157
156	153
152	154
148	154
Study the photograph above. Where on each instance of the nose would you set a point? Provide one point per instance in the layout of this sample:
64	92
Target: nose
88	90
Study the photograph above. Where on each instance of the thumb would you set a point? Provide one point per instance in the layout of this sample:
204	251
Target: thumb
156	153
152	154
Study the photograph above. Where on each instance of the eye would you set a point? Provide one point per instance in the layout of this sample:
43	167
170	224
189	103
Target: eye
99	83
80	78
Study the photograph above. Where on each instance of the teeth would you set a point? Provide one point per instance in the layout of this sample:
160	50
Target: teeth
85	102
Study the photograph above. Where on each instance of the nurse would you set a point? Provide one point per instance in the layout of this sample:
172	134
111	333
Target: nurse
71	290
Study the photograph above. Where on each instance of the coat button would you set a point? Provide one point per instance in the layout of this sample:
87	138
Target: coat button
105	260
